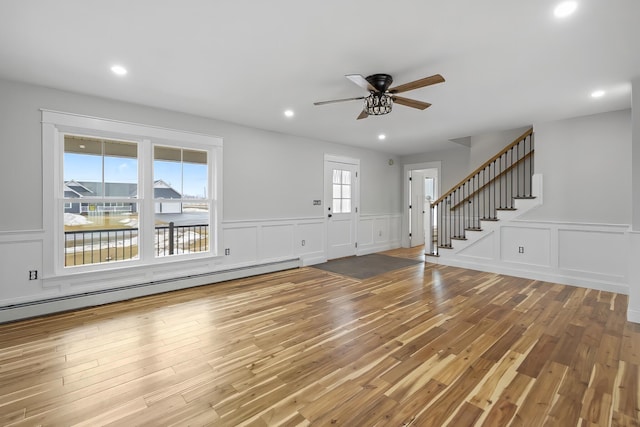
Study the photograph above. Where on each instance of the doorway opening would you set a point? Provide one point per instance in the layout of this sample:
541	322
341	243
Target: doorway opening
422	187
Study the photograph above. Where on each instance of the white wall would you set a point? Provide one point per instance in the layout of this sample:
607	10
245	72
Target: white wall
635	177
483	147
269	183
459	160
454	163
586	165
634	235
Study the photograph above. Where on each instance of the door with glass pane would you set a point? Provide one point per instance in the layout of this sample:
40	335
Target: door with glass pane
341	208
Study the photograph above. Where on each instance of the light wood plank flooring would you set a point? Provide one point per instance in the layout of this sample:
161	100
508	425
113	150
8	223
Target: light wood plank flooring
423	346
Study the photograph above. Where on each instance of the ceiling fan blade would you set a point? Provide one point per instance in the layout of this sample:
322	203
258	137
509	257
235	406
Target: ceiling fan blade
410	102
361	81
337	100
427	81
363	115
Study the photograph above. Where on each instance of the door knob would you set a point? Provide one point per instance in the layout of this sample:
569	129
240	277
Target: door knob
329	215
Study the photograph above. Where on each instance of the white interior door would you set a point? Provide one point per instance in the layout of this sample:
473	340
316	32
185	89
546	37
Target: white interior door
417	208
341	207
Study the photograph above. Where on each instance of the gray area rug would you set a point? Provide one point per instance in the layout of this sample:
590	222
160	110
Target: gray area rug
366	266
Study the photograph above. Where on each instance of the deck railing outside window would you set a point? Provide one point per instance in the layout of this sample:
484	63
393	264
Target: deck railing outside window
98	246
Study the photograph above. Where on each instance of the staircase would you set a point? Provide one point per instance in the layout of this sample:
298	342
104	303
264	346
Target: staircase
503	184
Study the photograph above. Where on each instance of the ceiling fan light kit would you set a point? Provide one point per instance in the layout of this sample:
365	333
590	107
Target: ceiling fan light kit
381	97
377	104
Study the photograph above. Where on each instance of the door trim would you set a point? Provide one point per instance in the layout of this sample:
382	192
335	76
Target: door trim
349	161
404	238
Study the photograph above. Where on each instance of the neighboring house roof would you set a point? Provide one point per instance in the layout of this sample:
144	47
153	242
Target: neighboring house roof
70	194
162	190
75	189
78	188
166	193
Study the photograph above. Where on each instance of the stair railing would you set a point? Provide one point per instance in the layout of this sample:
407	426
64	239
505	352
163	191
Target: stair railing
490	188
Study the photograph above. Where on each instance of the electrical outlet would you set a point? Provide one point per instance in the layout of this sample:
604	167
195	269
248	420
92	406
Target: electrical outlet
227	251
520	249
304	242
33	274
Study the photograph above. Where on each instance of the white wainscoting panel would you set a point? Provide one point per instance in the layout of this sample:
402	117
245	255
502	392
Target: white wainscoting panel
242	244
480	248
310	241
525	245
20	252
633	257
381	230
365	232
579	254
276	241
395	229
588	252
378	233
262	241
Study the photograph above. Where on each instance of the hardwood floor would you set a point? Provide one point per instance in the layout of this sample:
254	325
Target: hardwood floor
423	346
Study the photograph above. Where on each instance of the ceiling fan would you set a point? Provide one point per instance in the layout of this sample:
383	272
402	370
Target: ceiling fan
381	97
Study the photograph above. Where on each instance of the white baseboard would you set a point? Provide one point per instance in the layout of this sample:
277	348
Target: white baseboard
371	249
633	315
314	259
552	277
71	302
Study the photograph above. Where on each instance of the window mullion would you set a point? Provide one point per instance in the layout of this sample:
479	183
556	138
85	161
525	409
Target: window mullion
146	201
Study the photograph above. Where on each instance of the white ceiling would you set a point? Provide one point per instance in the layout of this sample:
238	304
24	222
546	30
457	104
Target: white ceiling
507	63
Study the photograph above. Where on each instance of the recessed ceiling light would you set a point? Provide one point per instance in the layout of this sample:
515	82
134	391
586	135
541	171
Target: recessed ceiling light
119	70
289	113
382	136
565	9
597	94
82	146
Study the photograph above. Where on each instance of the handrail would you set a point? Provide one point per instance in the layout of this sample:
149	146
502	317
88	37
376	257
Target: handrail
484	165
500	175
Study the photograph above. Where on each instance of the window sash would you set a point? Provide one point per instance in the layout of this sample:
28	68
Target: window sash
56	125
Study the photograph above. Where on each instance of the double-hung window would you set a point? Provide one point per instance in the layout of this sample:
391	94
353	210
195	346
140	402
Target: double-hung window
119	194
101	209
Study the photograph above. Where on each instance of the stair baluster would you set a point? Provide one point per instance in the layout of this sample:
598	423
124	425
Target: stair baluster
491	187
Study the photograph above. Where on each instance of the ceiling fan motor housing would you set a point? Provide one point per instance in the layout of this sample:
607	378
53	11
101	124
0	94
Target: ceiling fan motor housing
381	82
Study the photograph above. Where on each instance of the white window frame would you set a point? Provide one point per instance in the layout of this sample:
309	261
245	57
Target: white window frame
57	124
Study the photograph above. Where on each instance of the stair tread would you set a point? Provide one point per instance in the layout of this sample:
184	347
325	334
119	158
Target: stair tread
506	209
524	197
473	229
458	238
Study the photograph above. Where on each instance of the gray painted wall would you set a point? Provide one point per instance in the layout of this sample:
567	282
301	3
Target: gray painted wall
485	146
585	163
267	175
635	185
454	166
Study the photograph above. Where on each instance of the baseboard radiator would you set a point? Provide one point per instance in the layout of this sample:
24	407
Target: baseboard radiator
41	307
